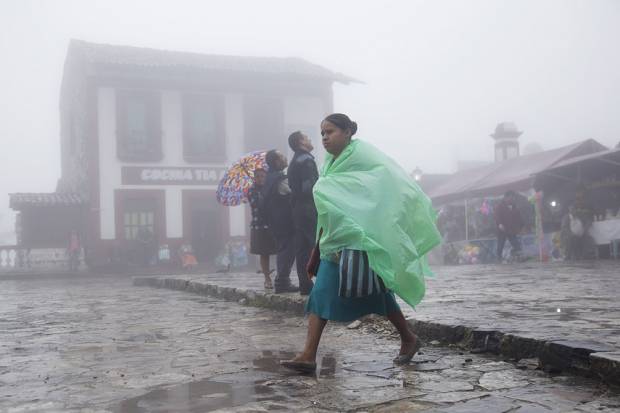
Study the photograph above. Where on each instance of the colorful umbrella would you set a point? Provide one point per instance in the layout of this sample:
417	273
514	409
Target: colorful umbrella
234	185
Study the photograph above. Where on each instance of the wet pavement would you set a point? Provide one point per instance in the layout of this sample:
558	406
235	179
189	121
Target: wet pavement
101	345
541	301
556	301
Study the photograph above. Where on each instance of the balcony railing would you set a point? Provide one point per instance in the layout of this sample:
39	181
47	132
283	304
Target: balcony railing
17	259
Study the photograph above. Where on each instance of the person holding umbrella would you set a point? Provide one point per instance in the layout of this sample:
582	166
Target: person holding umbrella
262	242
243	182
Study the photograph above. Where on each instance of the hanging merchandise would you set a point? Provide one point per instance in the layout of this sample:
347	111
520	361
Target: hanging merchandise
485	208
536	199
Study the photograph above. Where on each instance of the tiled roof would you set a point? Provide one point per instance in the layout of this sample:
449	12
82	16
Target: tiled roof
612	155
515	173
129	56
21	200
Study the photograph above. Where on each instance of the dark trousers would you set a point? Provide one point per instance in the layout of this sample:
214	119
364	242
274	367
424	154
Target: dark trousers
285	242
304	216
575	247
501	240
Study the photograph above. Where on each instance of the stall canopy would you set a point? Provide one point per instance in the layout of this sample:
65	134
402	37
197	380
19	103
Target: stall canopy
515	174
609	157
600	170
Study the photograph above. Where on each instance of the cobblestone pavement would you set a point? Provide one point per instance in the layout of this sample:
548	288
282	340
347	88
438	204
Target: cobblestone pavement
542	301
98	345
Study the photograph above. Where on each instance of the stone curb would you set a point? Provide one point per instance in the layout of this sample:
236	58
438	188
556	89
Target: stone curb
586	358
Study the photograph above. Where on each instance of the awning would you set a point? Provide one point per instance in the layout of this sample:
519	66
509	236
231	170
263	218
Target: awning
20	201
514	174
611	156
585	169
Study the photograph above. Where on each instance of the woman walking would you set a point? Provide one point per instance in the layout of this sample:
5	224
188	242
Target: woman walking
374	227
262	242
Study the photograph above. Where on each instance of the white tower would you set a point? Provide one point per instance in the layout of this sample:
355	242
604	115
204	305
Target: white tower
506	137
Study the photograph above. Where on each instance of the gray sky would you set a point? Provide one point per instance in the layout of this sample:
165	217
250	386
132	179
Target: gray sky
439	74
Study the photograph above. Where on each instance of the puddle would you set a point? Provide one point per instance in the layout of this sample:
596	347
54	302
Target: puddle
195	397
327	367
208	395
270	362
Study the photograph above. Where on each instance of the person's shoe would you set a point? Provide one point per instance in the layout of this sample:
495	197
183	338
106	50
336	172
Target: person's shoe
306	289
285	289
406	358
300	366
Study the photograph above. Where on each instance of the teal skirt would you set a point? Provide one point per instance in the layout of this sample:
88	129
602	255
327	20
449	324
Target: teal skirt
325	302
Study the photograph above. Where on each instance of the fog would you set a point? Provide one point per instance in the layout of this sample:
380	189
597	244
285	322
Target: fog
438	75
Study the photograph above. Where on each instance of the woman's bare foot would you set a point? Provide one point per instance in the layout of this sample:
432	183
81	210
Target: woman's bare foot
268	283
300	363
303	358
408	348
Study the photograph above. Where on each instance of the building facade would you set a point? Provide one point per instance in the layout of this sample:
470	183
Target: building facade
147	134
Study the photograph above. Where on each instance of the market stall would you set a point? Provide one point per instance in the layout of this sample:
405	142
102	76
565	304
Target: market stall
587	189
467	200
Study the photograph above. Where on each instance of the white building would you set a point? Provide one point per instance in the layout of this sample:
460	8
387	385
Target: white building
146	135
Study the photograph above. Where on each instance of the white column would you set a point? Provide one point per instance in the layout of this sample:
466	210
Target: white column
235	149
172	128
106	129
237	222
172	147
174	212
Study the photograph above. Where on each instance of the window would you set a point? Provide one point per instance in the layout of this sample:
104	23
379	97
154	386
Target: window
139	129
264	124
202	129
139	219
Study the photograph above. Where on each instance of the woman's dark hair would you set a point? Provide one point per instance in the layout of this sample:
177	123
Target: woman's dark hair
342	121
271	158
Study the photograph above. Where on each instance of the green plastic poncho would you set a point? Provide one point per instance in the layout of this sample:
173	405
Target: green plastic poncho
366	201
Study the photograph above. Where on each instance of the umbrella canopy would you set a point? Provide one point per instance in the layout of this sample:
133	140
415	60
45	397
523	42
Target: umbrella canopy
234	185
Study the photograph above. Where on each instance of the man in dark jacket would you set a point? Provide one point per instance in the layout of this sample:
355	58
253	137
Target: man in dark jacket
277	207
509	224
302	175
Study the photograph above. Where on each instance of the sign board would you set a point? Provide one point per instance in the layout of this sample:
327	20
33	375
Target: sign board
149	175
